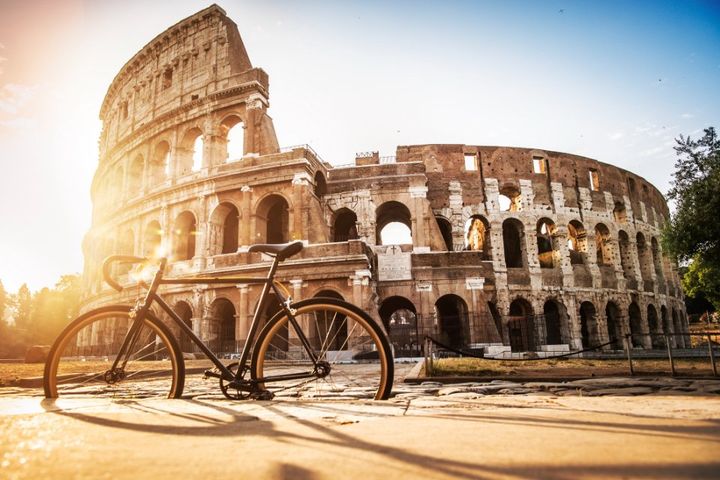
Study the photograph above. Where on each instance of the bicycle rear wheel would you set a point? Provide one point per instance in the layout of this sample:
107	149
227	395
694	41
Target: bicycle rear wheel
79	363
355	360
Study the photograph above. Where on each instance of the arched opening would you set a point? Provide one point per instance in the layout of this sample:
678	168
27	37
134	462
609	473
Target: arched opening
223	322
509	199
190	152
614	325
184	311
635	322
345	225
331	329
399	317
446	231
626	255
678	328
656	257
603	246
233	129
521	326
655	339
644	256
477	235
553	328
497	318
545	231
152	240
667	324
135	176
159	163
273	220
589	325
320	187
514	243
393	224
577	242
224	224
620	213
184	233
451	312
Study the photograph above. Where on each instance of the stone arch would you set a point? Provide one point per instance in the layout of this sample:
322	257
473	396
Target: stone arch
603	245
451	311
135	176
620	213
509	198
514	243
232	130
224	229
614	325
344	225
677	328
626	259
320	184
654	327
552	312
656	257
272	220
393	224
184	311
222	326
328	293
152	241
589	325
521	326
159	163
577	242
667	325
544	235
477	235
399	317
635	324
184	233
446	231
190	152
644	257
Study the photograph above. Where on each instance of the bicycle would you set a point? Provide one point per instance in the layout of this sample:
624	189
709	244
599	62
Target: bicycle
127	352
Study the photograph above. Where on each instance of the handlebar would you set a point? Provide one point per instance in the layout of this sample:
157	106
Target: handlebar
118	259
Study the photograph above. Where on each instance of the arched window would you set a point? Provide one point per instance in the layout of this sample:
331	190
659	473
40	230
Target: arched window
553	323
399	318
184	311
603	247
222	329
190	152
620	213
636	329
509	199
521	326
667	324
224	224
545	232
273	220
477	235
514	243
393	224
652	316
159	163
152	240
184	233
233	129
344	225
626	260
577	242
451	314
320	188
657	258
644	257
589	325
446	232
135	176
614	325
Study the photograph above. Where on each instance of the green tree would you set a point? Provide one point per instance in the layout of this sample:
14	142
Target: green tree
693	233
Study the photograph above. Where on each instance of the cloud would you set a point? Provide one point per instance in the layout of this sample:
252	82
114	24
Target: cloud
616	135
14	96
687	115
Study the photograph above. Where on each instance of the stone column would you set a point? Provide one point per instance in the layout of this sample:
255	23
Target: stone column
298	229
419	225
243	318
246	227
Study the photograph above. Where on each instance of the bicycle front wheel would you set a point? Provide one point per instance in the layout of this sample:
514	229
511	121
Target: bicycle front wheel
80	362
354	360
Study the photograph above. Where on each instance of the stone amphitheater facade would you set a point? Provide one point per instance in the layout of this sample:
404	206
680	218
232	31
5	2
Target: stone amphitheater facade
500	248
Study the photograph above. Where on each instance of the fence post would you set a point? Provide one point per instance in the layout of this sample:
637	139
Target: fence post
712	356
670	355
628	348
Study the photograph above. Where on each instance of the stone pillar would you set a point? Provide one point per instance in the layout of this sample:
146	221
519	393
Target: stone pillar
243	318
246	228
418	195
297	284
298	226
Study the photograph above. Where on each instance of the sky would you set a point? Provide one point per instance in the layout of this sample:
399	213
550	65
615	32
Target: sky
617	81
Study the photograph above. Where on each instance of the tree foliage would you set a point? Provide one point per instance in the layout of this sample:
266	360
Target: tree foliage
693	233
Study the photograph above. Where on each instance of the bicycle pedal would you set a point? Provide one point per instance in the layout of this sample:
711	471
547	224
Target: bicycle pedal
212	374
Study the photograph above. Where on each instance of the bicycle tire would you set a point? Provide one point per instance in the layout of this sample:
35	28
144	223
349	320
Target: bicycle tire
353	345
79	361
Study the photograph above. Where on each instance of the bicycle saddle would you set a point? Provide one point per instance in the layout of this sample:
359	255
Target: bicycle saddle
281	250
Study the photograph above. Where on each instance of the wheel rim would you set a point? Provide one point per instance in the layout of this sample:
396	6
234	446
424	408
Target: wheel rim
83	356
343	340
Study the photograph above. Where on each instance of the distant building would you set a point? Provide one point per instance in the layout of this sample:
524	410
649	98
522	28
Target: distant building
508	249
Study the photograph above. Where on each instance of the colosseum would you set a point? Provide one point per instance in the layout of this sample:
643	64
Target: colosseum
500	249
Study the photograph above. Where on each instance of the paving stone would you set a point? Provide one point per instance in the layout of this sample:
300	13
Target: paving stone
465	395
620	391
514	391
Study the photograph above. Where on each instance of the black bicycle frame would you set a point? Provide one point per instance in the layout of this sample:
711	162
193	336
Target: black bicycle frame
267	283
